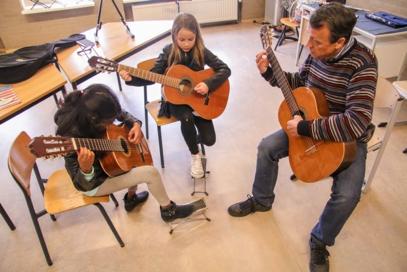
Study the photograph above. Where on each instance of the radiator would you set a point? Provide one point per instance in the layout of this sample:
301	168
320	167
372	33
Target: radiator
205	11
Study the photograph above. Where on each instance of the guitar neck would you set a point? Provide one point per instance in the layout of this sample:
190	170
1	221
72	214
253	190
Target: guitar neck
97	144
150	76
282	82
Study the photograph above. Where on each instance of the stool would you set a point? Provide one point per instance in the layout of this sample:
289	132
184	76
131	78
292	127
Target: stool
146	65
153	108
287	23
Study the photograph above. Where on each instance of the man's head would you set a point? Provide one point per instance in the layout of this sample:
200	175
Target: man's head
331	28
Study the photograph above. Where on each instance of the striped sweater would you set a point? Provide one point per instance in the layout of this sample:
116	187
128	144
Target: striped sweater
348	82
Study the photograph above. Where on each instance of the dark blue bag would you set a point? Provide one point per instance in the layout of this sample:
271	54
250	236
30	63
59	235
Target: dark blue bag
387	19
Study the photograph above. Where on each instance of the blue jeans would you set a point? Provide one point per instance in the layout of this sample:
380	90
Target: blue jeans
345	191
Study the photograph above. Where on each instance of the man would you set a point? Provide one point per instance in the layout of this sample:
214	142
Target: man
346	72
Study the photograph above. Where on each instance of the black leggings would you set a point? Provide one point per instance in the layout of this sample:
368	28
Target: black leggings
205	127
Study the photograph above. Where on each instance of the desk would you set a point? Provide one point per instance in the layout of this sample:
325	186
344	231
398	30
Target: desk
46	82
114	44
388	45
401	88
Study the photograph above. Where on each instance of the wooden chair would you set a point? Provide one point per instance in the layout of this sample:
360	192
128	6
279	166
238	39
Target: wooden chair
288	24
59	193
7	218
153	108
146	65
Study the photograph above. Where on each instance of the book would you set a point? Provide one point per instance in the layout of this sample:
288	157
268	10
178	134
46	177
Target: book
8	97
5	88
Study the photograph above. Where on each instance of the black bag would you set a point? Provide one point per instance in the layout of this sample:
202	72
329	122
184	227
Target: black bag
25	62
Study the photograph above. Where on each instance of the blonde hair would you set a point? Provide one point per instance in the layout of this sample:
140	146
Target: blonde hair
187	21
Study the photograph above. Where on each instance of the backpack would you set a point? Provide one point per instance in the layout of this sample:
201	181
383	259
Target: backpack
25	62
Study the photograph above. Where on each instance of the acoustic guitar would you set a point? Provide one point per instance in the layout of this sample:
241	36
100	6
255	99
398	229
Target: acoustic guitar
179	83
121	155
310	160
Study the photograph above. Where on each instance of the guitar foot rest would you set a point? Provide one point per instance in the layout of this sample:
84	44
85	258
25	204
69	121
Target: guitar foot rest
198	215
203	179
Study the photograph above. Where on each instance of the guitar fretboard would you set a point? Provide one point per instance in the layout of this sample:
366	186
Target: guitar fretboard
98	144
282	81
150	76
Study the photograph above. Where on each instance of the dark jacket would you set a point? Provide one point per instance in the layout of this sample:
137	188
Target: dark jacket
222	71
72	165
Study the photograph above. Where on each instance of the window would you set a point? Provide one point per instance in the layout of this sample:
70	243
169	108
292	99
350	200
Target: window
37	6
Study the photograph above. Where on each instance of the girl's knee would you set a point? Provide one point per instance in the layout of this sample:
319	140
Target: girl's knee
209	140
152	173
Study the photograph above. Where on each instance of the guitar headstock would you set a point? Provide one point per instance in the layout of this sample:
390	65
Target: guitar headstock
50	146
102	64
266	36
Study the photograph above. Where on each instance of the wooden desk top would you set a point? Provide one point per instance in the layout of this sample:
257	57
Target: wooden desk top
114	43
47	81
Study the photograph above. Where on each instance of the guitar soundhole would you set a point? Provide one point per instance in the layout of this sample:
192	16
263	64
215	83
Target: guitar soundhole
185	87
124	145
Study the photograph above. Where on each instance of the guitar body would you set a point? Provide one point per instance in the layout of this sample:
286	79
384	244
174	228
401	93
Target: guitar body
179	83
313	160
185	95
116	163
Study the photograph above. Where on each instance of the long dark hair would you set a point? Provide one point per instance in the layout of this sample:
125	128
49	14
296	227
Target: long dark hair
85	113
187	21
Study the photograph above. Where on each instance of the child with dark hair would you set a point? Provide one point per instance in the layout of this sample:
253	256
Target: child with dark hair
188	49
86	115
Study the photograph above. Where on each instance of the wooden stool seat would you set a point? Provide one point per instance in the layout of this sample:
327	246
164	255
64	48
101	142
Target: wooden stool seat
60	195
287	24
153	108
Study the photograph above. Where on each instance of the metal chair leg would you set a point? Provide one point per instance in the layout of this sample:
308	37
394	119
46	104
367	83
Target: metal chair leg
37	227
7	218
160	142
109	222
203	149
41	182
118	81
145	111
116	204
281	38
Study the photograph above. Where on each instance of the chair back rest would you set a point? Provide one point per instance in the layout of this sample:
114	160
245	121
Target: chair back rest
147	64
21	161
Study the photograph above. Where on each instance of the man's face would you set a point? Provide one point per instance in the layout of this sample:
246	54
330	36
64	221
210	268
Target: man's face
319	44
